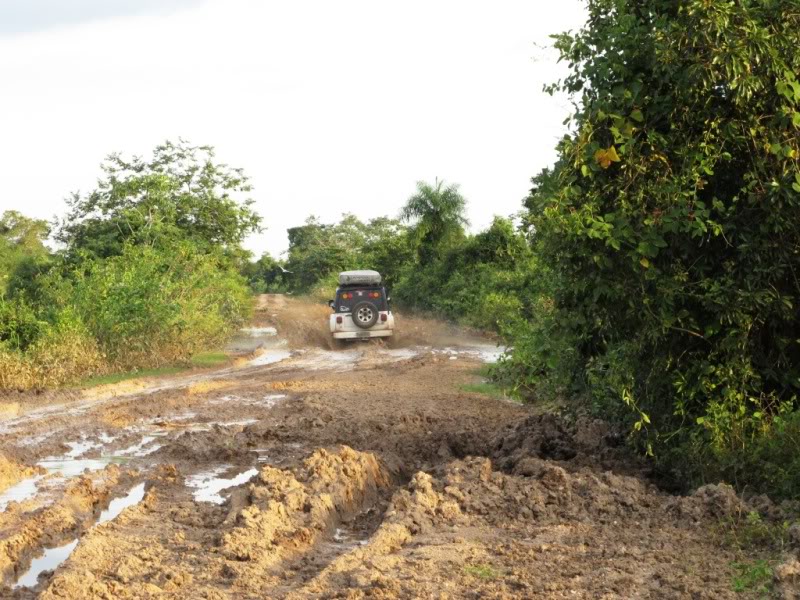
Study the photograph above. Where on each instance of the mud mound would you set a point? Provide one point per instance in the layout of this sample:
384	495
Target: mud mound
550	437
288	511
11	473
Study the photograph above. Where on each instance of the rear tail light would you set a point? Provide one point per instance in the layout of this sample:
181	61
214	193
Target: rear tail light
338	320
384	318
374	295
347	296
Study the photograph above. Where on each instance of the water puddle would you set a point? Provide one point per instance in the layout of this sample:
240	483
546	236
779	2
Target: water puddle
67	467
55	557
52	559
78	449
24	490
270	357
402	353
209	485
344	538
117	505
259	331
141	449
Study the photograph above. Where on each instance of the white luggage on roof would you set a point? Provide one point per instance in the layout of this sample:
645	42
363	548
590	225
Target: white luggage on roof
359	278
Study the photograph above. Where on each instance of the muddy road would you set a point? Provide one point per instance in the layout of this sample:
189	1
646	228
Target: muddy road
303	471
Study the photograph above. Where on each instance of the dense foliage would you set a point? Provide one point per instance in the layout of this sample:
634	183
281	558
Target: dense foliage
179	194
427	260
148	274
668	232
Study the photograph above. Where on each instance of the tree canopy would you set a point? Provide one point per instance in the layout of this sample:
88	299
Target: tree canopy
437	214
179	194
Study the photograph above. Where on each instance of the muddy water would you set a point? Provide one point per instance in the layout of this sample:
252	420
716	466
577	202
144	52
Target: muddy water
50	561
208	485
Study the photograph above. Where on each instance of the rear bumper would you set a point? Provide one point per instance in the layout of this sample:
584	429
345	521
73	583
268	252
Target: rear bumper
363	334
347	330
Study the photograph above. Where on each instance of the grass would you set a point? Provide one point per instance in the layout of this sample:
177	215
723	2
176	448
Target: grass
210	359
204	360
488	388
118	377
753	576
482	571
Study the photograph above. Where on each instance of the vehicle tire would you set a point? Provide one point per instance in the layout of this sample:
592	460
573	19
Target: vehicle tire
365	314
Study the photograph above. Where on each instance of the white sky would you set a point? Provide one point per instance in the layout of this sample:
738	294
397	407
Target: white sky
330	107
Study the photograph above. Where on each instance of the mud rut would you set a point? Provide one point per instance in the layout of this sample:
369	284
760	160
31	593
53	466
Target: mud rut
366	473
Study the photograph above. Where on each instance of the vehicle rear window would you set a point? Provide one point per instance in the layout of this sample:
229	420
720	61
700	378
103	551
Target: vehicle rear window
347	298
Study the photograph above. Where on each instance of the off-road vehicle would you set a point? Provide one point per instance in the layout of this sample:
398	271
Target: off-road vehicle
362	308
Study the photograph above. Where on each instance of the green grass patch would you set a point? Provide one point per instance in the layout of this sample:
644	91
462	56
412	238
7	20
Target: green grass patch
752	576
482	571
488	388
210	359
118	377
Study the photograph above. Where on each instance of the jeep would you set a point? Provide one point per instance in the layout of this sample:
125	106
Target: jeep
362	308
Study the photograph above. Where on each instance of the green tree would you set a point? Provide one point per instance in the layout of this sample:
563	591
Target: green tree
180	194
437	214
669	223
22	250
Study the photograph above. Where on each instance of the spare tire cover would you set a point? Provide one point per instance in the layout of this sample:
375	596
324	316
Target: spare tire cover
365	314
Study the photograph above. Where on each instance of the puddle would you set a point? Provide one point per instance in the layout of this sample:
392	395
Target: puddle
401	353
270	400
24	490
325	359
209	484
267	401
485	352
78	449
55	557
67	467
117	505
243	422
253	338
340	536
270	357
259	331
105	438
140	448
51	560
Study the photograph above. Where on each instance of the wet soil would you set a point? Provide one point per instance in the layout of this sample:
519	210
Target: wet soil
304	471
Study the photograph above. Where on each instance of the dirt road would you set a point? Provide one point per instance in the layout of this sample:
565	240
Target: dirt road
306	472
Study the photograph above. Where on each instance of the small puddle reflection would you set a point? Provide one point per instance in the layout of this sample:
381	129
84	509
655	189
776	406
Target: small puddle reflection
209	485
73	467
55	557
270	357
51	560
24	490
117	505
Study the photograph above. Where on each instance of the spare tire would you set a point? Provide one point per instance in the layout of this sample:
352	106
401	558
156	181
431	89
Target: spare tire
365	314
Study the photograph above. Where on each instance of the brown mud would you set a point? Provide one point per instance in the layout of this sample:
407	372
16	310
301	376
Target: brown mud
362	473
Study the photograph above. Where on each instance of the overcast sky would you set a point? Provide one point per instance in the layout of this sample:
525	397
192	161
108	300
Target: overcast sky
330	107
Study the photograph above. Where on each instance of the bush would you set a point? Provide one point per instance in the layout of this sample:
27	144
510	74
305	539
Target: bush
149	308
669	225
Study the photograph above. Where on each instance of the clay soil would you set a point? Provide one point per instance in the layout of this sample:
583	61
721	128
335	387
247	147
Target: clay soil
372	474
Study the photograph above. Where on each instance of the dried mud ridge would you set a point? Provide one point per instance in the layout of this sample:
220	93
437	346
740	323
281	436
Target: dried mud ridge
374	479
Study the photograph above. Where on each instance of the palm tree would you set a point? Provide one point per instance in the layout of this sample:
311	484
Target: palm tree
438	213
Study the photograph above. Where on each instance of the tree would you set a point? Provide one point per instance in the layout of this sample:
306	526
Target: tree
180	194
22	250
670	221
437	213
